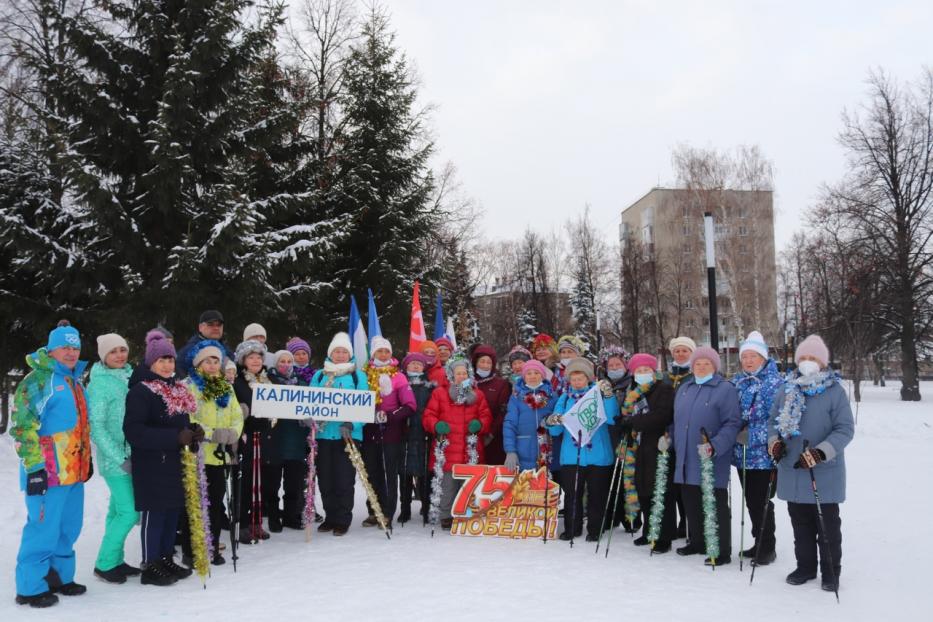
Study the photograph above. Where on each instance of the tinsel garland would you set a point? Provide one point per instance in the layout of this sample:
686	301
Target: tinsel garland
676	379
372	377
657	498
472	452
357	460
310	489
795	400
544	447
633	397
632	507
710	521
213	388
196	503
536	399
175	395
434	511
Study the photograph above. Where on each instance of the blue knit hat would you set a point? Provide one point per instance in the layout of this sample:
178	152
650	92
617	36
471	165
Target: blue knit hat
64	337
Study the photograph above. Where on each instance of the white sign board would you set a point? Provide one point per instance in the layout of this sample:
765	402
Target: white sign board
272	401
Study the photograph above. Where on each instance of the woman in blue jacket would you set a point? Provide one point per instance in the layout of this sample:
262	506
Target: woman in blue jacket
532	400
705	401
813	407
595	458
335	473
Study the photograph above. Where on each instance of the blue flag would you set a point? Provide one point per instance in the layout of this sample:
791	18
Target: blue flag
373	319
358	336
439	326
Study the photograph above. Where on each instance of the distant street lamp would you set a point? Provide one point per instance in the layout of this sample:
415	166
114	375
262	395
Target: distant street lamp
711	279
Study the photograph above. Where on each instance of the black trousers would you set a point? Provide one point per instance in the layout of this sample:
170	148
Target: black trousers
216	490
594	485
693	504
335	479
755	488
421	486
809	545
681	510
383	477
291	476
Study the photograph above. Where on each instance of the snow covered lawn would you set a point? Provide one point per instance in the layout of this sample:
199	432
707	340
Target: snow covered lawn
887	555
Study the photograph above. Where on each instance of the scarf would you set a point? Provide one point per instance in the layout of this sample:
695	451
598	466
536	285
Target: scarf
176	396
796	390
338	369
462	393
213	388
635	402
252	379
304	374
277	378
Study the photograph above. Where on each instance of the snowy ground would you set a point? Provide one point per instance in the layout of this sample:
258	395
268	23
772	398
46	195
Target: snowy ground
887	546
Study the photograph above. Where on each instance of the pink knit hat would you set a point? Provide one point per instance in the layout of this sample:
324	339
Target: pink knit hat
813	346
706	352
544	371
642	359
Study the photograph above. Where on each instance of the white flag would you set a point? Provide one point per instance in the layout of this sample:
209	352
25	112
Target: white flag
586	416
450	332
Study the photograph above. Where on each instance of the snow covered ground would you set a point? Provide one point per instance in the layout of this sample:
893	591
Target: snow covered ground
887	547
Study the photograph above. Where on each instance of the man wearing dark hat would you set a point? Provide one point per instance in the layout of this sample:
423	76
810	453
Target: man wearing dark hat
210	326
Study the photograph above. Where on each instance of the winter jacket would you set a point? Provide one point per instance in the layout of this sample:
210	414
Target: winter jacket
268	444
210	416
356	380
441	407
290	436
398	406
599	451
756	395
181	360
417	437
438	375
520	428
152	432
677	376
650	420
713	405
107	401
497	392
50	422
828	424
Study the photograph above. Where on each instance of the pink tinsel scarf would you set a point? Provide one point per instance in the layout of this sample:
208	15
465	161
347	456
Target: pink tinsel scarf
176	396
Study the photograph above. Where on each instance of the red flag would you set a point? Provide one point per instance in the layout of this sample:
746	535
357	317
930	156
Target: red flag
417	336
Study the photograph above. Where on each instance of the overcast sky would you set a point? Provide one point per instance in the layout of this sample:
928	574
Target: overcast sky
547	106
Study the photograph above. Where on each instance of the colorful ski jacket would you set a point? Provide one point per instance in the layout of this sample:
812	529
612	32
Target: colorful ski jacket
107	402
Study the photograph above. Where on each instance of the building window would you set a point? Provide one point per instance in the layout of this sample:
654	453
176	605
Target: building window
743	249
688	304
686	229
743	230
691	323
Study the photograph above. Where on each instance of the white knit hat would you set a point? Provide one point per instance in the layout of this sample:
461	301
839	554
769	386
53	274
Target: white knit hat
756	343
340	340
687	342
106	343
381	342
279	354
205	352
253	330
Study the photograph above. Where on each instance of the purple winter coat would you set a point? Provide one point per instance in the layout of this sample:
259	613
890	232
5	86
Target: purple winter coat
398	407
714	406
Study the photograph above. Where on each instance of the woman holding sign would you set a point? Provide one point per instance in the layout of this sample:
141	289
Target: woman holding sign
588	467
335	473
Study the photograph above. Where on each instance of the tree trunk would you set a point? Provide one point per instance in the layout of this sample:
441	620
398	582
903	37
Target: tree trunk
4	402
910	387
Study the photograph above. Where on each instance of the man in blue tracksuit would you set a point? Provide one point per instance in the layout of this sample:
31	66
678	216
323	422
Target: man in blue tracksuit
50	427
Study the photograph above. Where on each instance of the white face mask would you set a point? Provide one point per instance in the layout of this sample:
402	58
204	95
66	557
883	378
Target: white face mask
644	378
483	373
808	368
533	386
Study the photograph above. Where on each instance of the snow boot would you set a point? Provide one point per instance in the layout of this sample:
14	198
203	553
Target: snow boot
114	575
340	531
39	601
688	550
157	574
765	559
325	527
370	521
218	560
128	571
275	524
641	541
168	562
661	547
800	576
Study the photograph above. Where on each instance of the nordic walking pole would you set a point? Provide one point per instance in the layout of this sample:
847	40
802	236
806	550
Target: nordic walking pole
742	533
764	521
609	498
232	504
547	477
827	552
615	504
385	471
576	489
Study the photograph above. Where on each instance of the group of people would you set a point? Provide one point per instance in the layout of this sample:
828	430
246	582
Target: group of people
644	468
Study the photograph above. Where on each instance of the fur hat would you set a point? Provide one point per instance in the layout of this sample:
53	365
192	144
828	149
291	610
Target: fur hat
456	362
340	340
519	353
483	350
106	343
813	346
248	347
157	346
253	330
642	359
446	342
204	349
380	342
755	343
706	352
687	342
583	366
572	342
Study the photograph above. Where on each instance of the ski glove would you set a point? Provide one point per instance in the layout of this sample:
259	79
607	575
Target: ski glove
127	466
381	416
346	430
810	458
474	426
777	450
553	420
705	450
664	443
385	385
511	461
190	435
37	483
441	428
742	437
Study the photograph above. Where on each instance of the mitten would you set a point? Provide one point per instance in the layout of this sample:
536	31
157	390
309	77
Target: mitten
664	443
381	416
810	458
777	449
742	438
37	483
474	426
442	428
385	385
511	461
705	450
346	430
553	420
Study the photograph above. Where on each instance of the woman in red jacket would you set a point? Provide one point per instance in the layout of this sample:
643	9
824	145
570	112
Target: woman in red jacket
497	392
458	412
